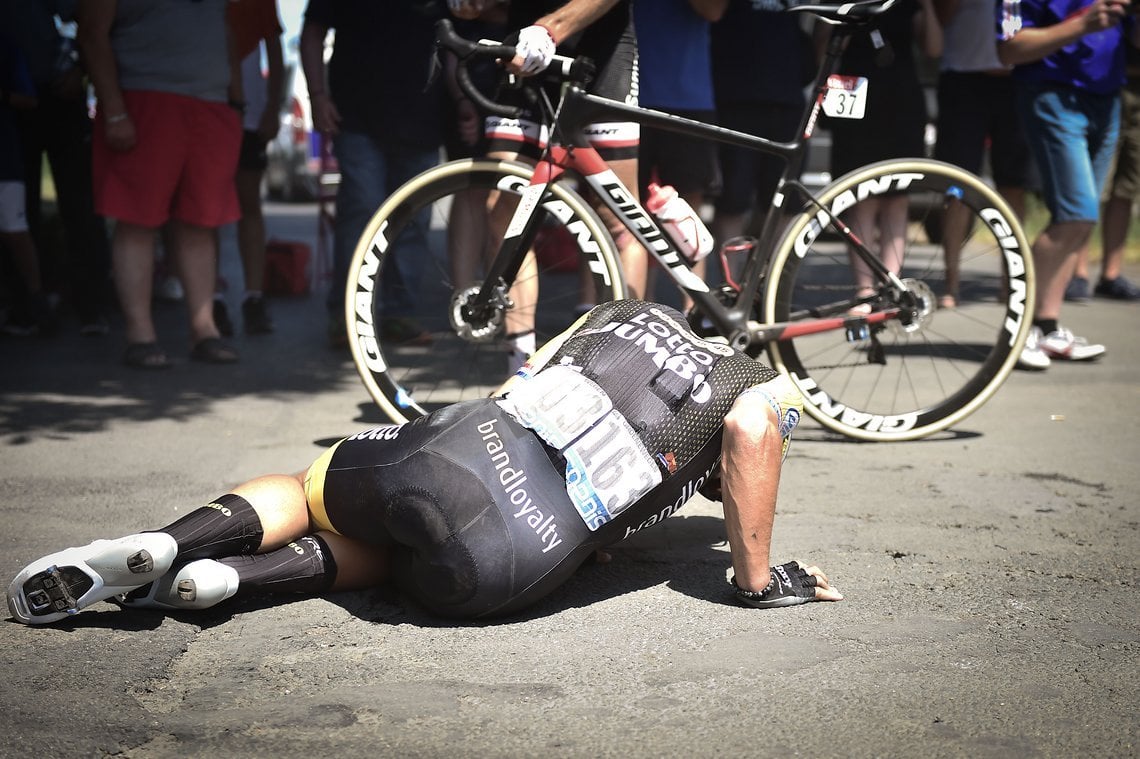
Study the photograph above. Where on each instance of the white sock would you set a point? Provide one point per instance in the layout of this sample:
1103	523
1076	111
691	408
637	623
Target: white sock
522	343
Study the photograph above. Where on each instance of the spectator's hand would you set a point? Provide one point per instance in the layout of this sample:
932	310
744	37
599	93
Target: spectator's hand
1103	14
533	51
120	133
326	118
467	121
269	125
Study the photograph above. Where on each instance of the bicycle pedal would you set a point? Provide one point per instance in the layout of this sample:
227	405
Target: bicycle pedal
857	333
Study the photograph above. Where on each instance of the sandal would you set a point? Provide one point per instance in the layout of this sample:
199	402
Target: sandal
212	350
146	356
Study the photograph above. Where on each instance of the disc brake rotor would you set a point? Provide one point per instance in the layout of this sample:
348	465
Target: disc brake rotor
481	324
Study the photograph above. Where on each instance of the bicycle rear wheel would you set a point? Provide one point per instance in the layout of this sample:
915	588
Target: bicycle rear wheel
919	372
418	356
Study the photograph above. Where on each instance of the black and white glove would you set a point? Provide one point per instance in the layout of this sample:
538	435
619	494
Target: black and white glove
790	585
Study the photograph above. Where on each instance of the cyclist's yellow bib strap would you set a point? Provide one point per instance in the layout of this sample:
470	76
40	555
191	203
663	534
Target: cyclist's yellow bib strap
786	400
315	490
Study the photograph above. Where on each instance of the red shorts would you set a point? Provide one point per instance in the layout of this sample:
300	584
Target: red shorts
181	167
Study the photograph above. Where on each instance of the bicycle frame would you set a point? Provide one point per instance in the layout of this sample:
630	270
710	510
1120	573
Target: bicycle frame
578	108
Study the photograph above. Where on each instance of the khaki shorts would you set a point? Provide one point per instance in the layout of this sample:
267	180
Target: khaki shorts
1124	179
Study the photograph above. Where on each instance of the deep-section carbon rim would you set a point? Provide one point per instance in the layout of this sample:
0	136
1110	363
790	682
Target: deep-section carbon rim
892	382
404	258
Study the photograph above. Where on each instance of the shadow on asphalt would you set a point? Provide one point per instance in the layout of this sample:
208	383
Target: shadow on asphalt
682	561
70	385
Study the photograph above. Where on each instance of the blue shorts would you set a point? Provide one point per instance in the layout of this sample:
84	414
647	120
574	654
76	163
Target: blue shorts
1072	135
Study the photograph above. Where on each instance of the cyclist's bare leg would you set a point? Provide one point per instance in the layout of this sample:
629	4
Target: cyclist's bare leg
282	508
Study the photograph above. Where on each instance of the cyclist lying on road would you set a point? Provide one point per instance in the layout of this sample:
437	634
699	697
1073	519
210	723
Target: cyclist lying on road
485	506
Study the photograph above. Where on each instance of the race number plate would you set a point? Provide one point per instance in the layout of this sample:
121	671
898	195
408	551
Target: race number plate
846	97
557	403
607	465
607	469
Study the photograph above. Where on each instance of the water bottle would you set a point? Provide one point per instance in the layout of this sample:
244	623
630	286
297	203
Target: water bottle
680	221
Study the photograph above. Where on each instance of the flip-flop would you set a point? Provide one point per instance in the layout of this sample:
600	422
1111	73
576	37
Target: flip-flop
147	356
212	350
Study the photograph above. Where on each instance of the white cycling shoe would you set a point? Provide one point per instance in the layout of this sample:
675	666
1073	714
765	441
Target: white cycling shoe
68	581
197	585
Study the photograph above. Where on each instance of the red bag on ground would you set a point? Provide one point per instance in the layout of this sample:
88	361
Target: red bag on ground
287	267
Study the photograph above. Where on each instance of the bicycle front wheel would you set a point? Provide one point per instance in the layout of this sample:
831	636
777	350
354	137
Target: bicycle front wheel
403	309
968	273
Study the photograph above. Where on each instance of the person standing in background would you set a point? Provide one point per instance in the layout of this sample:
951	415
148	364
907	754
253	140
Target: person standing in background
1119	197
1068	59
676	77
372	101
975	108
603	31
761	61
256	30
30	311
59	127
166	147
894	125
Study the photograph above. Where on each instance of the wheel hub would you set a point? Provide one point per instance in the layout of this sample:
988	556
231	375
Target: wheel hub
477	324
919	305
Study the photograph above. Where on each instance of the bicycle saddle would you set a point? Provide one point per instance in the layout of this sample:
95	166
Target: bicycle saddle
850	14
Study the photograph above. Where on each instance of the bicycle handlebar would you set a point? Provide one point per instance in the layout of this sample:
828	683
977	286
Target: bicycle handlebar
577	70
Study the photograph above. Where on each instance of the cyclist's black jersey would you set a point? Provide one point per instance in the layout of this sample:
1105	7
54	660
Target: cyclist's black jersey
476	507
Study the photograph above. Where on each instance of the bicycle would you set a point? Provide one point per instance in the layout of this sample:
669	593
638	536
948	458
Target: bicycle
887	366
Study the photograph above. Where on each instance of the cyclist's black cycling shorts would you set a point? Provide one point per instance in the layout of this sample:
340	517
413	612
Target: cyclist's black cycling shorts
468	502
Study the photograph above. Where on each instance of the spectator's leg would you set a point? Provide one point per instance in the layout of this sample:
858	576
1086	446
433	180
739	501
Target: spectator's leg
132	252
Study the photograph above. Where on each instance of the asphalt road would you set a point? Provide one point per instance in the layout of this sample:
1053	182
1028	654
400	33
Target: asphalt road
990	576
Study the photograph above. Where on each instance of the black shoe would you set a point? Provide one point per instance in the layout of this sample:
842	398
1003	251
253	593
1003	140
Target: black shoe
1117	289
255	317
1077	291
222	319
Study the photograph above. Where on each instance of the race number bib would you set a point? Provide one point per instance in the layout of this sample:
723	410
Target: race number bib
607	465
846	97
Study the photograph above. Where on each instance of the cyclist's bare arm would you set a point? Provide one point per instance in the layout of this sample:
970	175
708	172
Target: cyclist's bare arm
750	478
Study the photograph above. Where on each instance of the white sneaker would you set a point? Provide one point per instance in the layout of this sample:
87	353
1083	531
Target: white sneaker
197	585
68	581
1062	344
1032	356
